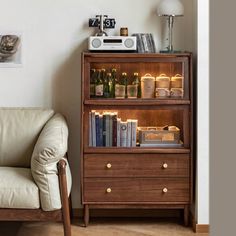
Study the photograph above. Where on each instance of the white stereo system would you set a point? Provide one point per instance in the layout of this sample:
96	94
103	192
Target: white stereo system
112	43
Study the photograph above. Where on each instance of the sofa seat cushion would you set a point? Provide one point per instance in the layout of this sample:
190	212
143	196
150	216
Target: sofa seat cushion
18	189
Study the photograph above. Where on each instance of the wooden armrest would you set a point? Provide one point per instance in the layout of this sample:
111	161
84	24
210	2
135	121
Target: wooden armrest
61	167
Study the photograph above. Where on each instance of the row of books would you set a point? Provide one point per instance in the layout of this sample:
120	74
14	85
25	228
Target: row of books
106	129
145	43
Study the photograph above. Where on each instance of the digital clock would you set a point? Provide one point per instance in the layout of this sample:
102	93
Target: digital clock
102	22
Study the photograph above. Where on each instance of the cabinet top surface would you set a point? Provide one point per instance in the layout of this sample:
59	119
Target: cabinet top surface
135	55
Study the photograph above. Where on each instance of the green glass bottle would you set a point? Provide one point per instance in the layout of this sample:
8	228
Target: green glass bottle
136	81
106	91
99	85
113	80
124	81
92	82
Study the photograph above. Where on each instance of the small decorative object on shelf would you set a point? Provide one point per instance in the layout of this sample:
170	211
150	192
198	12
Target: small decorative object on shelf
92	82
137	82
176	81
162	92
102	22
159	135
124	31
132	91
147	86
99	86
163	81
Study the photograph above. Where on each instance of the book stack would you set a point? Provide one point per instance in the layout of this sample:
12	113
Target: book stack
106	129
145	43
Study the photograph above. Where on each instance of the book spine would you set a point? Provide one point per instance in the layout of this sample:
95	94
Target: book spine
93	129
107	123
145	43
118	133
123	134
104	132
128	144
97	129
111	128
153	43
134	126
114	130
100	131
90	130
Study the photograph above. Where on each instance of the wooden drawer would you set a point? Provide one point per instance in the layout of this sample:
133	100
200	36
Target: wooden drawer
136	165
136	190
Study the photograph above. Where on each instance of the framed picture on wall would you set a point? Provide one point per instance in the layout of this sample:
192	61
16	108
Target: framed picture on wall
10	49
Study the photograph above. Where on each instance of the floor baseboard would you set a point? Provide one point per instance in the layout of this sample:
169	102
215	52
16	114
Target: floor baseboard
200	228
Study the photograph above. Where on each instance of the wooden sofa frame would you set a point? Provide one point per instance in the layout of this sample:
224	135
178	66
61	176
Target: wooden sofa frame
62	214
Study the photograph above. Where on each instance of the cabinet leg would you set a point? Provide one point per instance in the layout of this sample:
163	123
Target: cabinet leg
86	215
186	215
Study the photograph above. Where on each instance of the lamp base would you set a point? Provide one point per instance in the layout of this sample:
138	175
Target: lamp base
168	51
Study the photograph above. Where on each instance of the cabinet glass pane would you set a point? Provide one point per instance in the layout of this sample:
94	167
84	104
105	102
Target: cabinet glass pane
160	80
162	128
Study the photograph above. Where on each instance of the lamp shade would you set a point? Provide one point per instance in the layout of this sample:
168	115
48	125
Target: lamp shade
170	8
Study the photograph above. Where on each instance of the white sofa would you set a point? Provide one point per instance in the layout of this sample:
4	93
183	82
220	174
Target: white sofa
35	179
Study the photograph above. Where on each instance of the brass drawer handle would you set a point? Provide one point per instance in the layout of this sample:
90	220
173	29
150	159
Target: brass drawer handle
108	165
108	190
165	166
164	190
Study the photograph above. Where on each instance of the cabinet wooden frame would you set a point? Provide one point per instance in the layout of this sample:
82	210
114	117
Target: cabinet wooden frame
185	105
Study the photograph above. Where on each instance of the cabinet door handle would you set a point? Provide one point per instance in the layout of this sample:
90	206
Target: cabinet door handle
109	165
164	190
108	190
165	166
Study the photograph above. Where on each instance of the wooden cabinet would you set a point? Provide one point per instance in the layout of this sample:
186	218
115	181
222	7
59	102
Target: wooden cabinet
155	176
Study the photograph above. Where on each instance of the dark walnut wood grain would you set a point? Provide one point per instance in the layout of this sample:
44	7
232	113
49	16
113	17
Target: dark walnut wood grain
133	165
135	177
136	190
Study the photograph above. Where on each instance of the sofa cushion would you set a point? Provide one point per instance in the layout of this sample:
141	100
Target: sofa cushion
18	189
19	130
49	149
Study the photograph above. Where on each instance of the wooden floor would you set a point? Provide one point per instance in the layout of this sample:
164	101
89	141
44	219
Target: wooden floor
100	227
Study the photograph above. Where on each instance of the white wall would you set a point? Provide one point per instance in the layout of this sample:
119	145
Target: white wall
203	114
55	34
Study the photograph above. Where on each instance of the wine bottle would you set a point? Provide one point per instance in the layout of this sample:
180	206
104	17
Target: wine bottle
112	82
136	81
106	85
99	85
124	81
92	82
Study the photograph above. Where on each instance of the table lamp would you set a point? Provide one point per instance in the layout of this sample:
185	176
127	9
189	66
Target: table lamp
170	9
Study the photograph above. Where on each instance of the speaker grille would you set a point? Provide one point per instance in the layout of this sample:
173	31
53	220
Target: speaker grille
96	43
129	43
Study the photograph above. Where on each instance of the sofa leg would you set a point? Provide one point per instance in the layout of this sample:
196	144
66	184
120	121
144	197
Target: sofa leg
64	198
66	222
